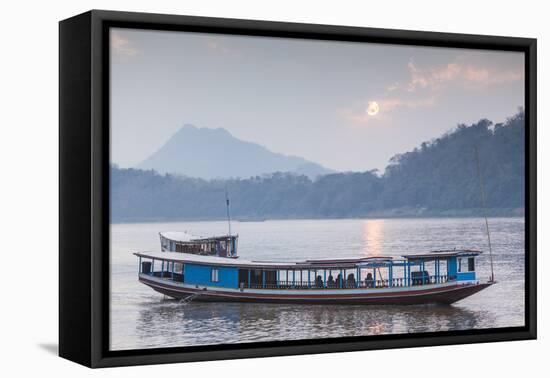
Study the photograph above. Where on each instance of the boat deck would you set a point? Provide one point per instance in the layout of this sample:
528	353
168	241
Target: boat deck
445	293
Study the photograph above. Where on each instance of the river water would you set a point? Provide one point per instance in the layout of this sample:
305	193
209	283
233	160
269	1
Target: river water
143	318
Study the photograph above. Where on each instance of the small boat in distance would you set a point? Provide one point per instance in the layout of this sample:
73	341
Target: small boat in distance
184	242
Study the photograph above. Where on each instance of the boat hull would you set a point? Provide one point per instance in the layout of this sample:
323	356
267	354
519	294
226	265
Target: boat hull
444	294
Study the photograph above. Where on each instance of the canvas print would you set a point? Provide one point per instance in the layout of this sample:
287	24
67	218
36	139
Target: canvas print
273	189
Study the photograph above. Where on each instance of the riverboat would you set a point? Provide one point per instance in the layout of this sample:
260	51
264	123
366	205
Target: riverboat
192	268
184	242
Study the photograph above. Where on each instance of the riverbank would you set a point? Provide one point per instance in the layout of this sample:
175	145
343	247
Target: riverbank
382	214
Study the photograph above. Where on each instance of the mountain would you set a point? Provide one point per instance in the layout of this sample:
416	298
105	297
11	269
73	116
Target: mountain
215	153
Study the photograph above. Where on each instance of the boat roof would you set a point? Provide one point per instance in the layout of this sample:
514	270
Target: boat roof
186	237
239	262
353	260
443	253
178	236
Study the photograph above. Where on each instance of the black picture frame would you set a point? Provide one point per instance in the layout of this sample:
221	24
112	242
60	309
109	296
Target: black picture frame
84	187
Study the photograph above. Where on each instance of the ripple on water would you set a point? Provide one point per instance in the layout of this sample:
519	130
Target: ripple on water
142	318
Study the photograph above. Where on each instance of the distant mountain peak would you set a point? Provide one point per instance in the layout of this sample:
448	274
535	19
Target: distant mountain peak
215	153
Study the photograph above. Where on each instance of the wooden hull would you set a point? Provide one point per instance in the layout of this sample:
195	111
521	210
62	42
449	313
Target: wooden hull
444	294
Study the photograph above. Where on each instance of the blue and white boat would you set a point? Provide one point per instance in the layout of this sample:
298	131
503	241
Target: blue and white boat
208	269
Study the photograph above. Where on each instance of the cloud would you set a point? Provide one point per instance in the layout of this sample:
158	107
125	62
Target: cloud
393	87
122	46
213	45
467	75
401	96
393	103
217	46
487	77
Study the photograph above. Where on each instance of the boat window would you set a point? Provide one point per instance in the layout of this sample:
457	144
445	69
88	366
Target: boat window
471	264
466	264
214	275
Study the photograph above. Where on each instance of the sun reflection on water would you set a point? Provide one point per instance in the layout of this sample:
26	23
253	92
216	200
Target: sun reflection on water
373	236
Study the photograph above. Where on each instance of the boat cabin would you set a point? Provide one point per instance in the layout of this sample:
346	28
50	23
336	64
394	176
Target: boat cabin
200	269
221	246
459	265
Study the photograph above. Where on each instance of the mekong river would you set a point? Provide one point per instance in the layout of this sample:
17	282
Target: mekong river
143	318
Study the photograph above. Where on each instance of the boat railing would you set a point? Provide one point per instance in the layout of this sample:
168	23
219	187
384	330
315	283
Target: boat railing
178	277
351	284
333	284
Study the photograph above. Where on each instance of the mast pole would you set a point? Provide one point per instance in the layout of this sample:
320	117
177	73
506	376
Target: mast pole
484	206
227	207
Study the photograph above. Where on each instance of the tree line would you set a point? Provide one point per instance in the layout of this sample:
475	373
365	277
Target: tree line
437	178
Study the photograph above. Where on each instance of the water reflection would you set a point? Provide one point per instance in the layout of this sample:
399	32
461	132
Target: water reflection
199	323
373	235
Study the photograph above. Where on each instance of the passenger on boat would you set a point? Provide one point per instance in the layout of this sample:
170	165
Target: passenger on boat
330	281
369	281
319	282
351	280
339	280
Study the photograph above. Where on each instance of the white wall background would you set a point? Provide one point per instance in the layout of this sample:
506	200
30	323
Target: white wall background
29	186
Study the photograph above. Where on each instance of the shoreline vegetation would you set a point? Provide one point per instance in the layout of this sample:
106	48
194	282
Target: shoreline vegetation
398	214
437	179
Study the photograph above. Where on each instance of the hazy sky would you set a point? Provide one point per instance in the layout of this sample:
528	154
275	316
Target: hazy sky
302	97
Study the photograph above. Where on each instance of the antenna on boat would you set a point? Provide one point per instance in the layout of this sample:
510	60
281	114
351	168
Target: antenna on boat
227	206
484	205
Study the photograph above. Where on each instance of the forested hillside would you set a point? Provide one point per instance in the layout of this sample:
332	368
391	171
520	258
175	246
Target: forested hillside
437	178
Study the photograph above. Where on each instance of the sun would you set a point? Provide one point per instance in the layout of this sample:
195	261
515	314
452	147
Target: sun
373	108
